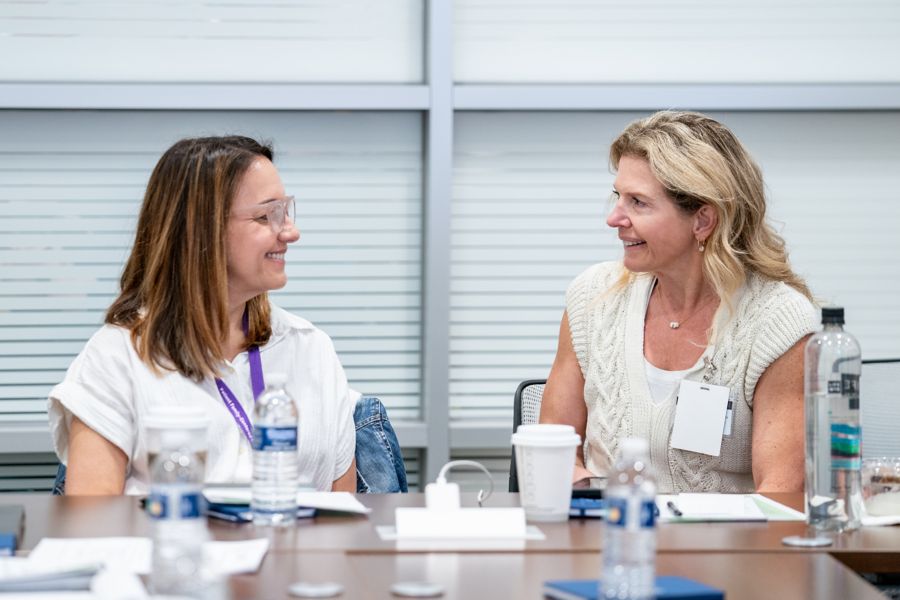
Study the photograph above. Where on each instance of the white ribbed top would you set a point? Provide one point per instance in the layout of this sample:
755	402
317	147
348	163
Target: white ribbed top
607	328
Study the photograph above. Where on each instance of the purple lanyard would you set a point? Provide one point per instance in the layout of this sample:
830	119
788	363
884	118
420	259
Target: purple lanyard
256	382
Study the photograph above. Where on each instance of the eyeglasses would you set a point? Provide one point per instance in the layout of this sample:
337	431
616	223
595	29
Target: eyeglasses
276	212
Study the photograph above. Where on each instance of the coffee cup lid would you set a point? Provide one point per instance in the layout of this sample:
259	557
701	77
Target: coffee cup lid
546	434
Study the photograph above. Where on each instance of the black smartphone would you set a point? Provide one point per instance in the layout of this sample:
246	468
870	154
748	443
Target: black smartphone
589	487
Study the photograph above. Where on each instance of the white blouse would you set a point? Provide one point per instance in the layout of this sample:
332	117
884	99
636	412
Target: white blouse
111	390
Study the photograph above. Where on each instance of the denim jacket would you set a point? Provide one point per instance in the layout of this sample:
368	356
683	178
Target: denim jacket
379	464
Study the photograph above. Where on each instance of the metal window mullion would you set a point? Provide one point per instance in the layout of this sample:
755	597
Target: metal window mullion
436	230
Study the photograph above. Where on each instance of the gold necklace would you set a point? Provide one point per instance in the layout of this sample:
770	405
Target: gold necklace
673	324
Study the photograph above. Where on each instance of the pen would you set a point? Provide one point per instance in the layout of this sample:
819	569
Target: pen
671	506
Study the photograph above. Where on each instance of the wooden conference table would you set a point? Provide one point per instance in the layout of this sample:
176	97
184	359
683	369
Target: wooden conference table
747	560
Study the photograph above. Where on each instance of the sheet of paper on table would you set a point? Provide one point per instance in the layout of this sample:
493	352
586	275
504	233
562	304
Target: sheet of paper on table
334	501
134	554
723	507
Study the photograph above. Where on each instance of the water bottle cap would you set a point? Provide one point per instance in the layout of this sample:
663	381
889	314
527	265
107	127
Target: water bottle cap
833	314
633	447
175	437
176	417
276	379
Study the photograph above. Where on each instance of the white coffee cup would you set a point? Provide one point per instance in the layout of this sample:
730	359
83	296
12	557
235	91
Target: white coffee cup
545	462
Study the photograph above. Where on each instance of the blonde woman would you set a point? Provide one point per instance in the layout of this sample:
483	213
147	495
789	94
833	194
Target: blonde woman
703	295
193	325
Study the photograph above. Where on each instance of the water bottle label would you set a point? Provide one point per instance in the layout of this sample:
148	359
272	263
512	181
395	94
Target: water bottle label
850	389
274	439
845	446
158	505
617	514
166	504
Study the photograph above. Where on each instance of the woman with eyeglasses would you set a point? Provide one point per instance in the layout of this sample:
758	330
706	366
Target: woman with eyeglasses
211	239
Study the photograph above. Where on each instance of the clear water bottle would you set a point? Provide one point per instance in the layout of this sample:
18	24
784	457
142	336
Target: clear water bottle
832	366
176	506
629	544
274	491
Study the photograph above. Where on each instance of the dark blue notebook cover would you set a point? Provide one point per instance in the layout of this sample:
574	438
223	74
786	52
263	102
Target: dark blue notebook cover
241	513
667	588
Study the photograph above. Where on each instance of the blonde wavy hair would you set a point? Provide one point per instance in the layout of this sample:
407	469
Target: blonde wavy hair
700	162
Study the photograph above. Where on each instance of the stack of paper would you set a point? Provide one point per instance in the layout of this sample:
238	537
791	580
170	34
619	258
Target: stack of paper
19	574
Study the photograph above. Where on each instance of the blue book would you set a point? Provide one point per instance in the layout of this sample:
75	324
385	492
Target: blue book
667	588
12	520
587	508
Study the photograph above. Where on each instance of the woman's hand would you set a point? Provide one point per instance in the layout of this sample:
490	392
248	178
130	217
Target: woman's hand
96	465
563	399
581	473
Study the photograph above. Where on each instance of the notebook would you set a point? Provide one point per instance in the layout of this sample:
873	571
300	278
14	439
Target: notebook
708	507
12	522
667	588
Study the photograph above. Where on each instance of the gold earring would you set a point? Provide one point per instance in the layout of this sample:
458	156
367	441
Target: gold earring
701	246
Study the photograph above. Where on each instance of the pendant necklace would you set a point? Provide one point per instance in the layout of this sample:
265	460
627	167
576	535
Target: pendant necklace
673	324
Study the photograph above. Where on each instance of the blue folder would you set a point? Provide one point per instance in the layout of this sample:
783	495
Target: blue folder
667	588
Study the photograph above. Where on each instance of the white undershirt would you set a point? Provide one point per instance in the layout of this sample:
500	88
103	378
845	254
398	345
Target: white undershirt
662	383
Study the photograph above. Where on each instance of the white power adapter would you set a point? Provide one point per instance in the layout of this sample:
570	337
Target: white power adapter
442	495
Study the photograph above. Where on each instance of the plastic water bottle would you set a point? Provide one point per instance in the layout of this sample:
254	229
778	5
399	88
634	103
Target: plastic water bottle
274	491
833	362
176	506
629	544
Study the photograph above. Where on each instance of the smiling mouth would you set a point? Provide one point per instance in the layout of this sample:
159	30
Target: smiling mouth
275	255
631	244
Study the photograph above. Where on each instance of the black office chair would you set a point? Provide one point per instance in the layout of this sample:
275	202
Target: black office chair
526	411
878	407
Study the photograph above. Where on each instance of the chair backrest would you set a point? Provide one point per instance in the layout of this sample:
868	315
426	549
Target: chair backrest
526	411
879	399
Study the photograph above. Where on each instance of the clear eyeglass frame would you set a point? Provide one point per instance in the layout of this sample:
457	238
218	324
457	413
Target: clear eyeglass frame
278	210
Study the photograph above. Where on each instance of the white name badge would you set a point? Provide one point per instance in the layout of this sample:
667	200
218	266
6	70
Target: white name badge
700	417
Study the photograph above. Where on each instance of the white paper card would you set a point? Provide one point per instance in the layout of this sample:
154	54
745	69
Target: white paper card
229	558
699	417
461	523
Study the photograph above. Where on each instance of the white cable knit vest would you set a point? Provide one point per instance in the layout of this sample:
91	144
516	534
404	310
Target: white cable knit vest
608	337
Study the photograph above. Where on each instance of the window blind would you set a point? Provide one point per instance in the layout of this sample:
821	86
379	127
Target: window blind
71	183
203	42
529	204
709	41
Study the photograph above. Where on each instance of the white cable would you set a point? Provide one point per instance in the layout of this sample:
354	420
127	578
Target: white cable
442	475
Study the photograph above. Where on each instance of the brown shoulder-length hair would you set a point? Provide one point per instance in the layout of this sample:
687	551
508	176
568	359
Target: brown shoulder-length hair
174	288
